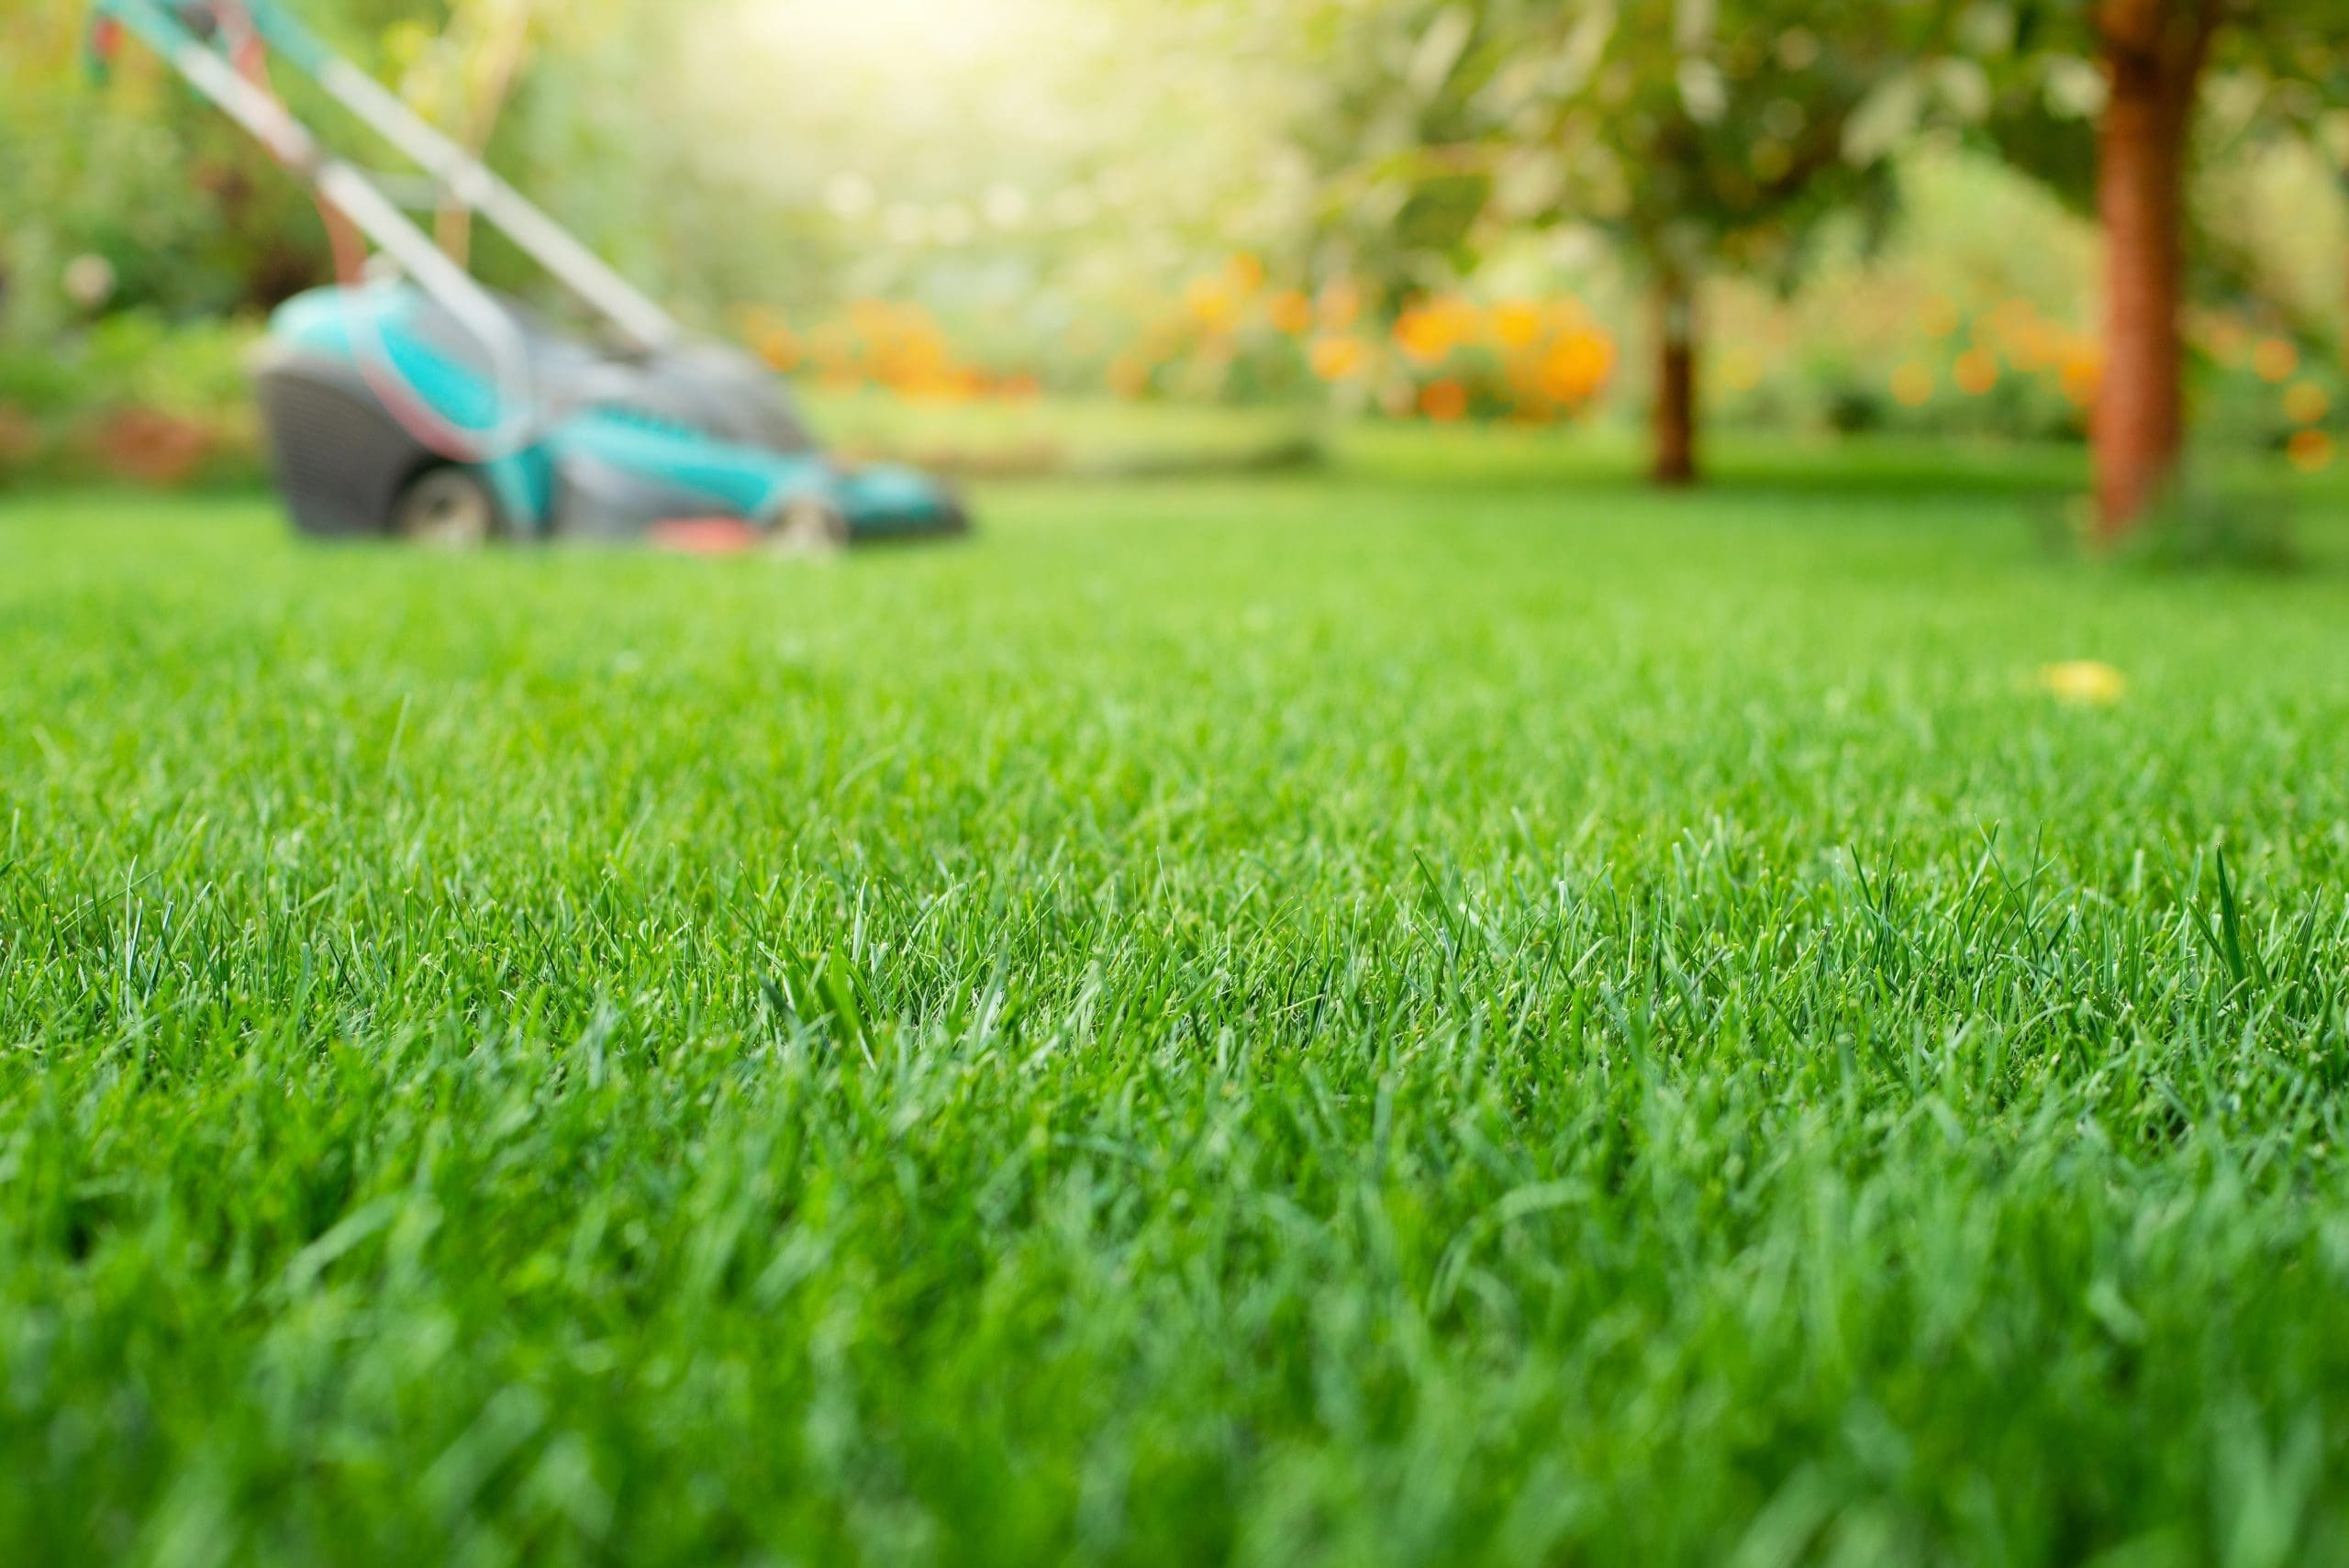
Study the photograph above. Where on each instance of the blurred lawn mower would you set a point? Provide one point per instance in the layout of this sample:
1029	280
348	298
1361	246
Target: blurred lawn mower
418	405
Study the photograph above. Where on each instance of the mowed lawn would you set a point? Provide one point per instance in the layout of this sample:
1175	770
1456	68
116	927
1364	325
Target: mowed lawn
1445	1012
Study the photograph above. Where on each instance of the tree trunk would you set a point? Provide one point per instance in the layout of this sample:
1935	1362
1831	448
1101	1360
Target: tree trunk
1673	304
2154	52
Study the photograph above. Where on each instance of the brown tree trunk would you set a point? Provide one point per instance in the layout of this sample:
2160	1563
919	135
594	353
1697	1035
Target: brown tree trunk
2153	52
1673	303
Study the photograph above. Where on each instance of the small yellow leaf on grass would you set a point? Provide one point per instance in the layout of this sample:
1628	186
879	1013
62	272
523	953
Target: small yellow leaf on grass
2083	681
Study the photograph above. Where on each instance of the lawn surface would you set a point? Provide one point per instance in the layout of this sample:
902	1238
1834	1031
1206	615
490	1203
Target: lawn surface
1427	1015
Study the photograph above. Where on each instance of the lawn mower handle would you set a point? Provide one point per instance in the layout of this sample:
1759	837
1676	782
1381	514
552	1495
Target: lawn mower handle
168	27
349	195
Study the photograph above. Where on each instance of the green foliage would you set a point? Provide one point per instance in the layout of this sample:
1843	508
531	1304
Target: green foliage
1224	1023
2200	526
1712	133
133	398
141	359
191	218
2046	62
1047	181
2234	408
1698	133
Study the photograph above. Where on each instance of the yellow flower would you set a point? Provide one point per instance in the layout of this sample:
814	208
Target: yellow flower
2305	402
1912	384
2091	682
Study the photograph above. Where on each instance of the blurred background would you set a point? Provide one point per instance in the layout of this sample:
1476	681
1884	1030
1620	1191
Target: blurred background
1035	235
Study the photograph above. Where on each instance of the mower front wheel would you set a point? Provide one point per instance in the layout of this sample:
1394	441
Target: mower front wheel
447	508
809	524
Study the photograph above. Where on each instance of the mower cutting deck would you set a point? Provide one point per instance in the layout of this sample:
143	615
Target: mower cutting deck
425	407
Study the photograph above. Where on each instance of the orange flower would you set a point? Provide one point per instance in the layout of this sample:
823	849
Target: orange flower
1912	384
2275	359
832	345
1576	367
2083	372
1443	400
2035	347
1425	333
1339	305
2013	315
779	346
1246	272
935	384
1977	372
1290	311
1339	359
2309	451
1516	324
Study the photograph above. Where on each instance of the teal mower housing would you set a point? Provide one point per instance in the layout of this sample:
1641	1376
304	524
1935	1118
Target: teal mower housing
411	402
604	446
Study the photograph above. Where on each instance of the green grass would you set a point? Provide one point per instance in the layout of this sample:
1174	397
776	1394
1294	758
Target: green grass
1422	1014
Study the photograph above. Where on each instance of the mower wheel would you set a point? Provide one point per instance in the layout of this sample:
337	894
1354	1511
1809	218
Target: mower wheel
809	524
447	508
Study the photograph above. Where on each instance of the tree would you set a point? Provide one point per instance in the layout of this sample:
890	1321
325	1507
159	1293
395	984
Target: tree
1699	134
2152	53
1726	135
2143	63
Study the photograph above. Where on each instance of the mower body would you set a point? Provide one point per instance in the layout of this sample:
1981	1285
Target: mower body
366	391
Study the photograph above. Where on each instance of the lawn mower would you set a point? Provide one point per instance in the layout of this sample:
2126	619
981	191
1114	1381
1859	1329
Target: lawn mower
411	401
